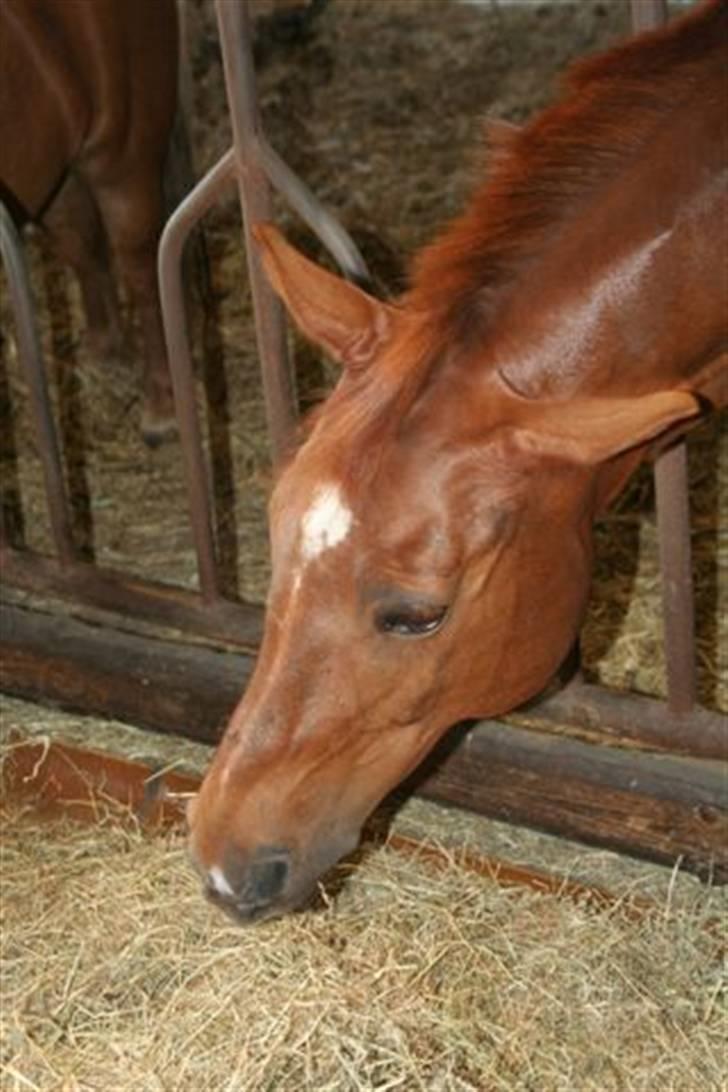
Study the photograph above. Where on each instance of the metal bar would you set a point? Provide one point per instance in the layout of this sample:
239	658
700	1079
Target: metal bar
662	806
253	162
29	351
338	241
118	600
673	539
254	190
648	721
673	517
172	301
648	14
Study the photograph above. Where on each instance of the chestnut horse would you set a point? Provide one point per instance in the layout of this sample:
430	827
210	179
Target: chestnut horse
88	95
432	537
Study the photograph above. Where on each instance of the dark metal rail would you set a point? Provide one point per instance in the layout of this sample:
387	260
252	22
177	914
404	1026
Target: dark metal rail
29	350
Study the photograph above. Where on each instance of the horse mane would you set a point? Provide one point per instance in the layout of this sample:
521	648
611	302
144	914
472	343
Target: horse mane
539	175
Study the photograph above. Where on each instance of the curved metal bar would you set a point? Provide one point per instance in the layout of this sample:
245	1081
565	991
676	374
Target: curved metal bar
335	238
258	167
172	300
29	349
255	200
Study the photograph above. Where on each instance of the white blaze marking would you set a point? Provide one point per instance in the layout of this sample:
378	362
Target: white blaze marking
326	523
217	878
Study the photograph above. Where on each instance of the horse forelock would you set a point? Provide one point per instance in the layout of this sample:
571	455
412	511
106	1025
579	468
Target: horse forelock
346	437
555	166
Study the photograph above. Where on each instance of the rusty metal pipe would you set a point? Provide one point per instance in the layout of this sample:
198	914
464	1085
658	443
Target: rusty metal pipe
172	301
702	733
678	609
255	200
29	351
673	515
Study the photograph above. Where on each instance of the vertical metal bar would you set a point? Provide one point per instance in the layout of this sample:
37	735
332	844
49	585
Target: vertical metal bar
21	299
172	300
673	535
648	14
673	515
278	385
5	538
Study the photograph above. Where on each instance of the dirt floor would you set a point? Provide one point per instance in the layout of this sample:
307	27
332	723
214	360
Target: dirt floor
116	975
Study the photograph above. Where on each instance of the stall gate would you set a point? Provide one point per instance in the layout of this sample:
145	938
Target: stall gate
654	782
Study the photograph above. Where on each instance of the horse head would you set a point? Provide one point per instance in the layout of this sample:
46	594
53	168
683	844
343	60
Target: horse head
431	548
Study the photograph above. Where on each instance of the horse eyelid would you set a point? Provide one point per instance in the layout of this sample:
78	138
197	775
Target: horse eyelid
406	621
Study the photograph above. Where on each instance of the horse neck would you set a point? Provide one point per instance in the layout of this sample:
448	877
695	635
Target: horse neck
627	300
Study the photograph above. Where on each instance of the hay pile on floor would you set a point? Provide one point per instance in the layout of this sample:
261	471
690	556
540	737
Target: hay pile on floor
116	975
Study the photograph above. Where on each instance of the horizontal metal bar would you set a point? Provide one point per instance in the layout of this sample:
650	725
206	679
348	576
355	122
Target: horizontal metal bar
700	732
135	604
661	806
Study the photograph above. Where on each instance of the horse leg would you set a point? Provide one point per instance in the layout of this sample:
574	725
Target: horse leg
132	210
73	226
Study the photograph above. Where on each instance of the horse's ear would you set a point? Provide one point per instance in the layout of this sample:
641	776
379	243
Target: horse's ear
342	319
592	430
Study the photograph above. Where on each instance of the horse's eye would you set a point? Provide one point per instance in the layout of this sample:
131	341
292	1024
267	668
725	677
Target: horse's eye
411	621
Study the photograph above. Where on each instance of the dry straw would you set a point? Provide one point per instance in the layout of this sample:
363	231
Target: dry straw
117	975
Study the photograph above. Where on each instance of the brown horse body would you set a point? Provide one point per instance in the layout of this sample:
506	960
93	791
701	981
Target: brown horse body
432	542
87	102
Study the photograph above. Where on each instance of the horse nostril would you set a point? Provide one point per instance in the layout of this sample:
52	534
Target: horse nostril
268	876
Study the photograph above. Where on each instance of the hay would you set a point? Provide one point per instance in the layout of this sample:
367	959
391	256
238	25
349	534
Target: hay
122	978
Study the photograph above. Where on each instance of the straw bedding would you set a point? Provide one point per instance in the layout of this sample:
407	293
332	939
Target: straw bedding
117	975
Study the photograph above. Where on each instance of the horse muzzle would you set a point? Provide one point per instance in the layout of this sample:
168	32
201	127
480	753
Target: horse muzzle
270	880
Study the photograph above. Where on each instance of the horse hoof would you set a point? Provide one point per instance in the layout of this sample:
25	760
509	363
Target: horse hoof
158	430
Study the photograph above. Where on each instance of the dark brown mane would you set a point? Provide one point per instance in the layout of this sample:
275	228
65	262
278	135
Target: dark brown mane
558	163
